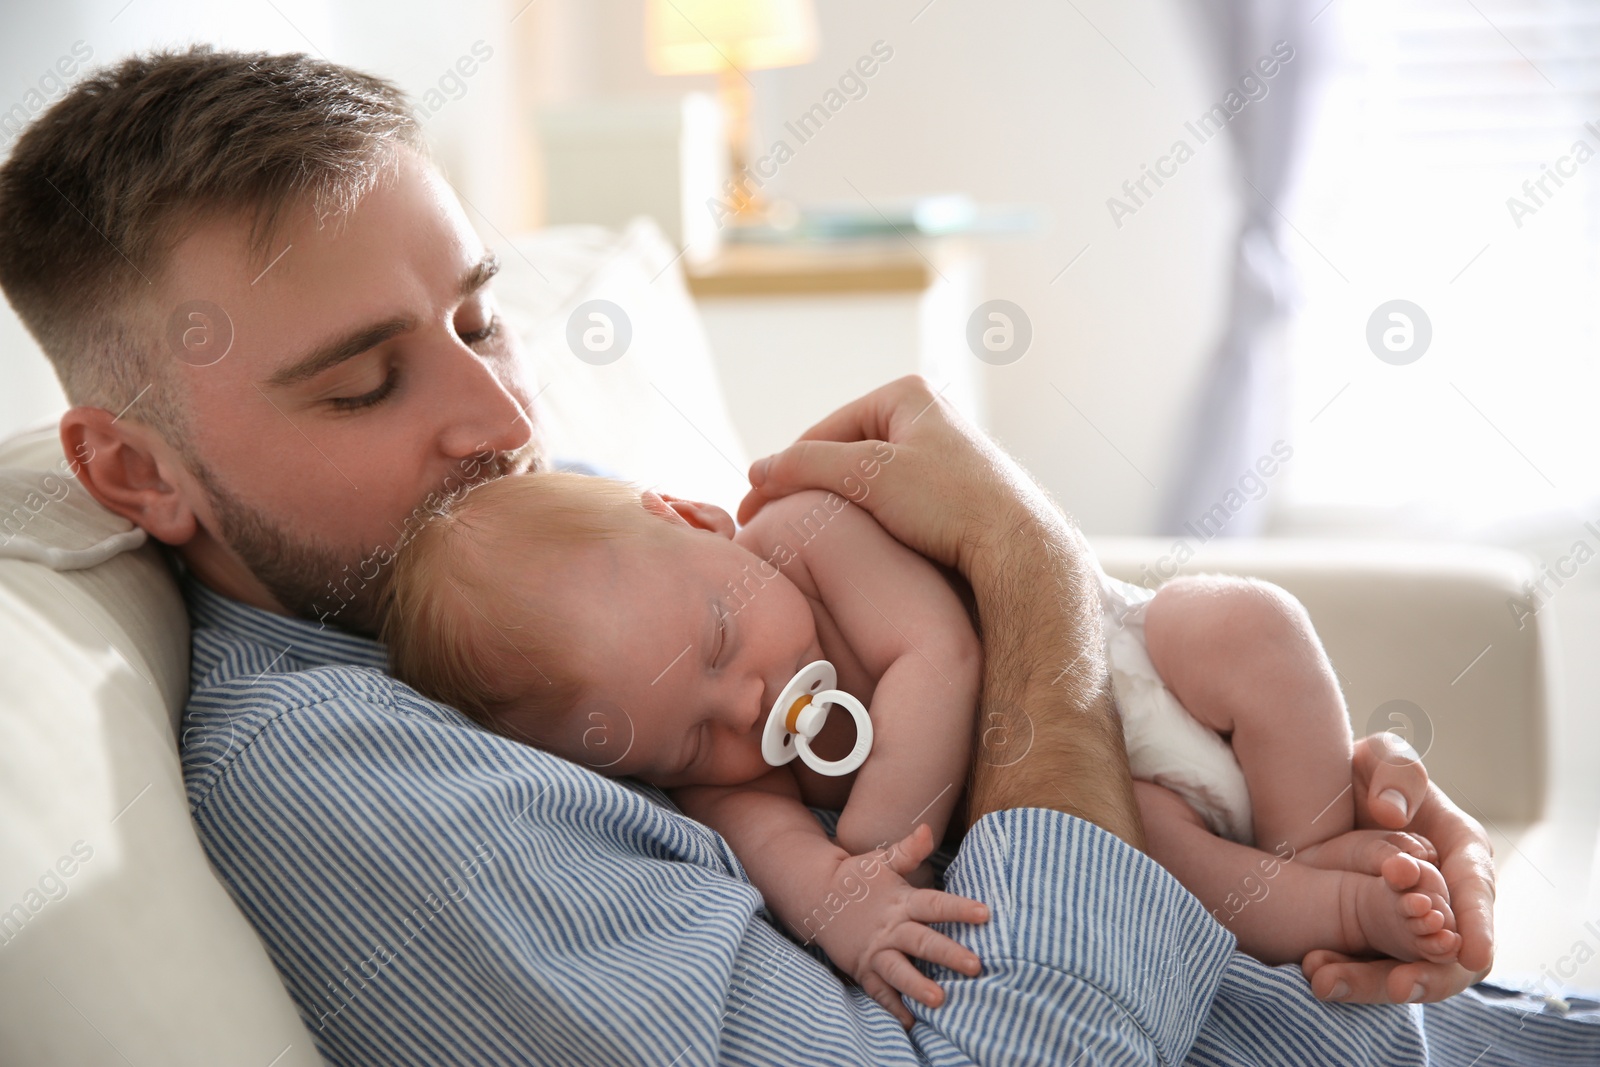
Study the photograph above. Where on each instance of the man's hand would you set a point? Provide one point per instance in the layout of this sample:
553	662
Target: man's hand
1393	793
939	486
873	935
942	488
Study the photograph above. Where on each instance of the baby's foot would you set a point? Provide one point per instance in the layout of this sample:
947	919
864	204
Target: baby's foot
1394	900
1363	851
1404	912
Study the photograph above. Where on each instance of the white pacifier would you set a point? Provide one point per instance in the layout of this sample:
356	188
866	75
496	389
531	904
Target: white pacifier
797	717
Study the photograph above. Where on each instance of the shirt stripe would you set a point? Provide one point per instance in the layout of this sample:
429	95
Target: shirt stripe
435	894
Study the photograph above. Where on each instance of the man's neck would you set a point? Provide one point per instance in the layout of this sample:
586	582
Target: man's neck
219	570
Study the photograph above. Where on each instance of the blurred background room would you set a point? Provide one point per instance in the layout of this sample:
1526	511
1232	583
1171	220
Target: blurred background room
1320	272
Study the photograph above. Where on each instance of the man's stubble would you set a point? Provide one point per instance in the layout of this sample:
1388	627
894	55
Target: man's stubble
318	582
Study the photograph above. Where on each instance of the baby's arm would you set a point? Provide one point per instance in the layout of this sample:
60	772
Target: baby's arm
908	628
858	908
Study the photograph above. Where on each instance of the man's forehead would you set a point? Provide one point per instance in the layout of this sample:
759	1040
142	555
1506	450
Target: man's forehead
408	202
403	247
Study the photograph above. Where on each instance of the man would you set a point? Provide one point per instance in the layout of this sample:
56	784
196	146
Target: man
273	321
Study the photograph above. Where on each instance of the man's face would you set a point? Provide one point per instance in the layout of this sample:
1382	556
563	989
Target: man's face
683	640
368	370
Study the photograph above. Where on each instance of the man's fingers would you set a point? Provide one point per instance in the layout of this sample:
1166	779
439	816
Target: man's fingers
1396	781
753	502
1413	983
1337	977
1466	860
807	465
862	418
1469	872
814	465
873	417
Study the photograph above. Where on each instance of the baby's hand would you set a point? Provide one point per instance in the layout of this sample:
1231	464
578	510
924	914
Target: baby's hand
872	935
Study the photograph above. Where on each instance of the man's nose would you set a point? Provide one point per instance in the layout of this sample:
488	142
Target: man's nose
485	405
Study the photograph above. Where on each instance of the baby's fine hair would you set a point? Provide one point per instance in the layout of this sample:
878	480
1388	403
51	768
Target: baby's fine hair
462	631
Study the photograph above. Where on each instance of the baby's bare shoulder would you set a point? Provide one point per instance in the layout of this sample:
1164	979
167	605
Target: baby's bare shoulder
811	523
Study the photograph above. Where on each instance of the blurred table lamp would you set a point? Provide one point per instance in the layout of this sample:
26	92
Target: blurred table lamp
729	38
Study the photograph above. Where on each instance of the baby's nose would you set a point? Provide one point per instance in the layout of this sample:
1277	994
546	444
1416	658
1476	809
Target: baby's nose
764	700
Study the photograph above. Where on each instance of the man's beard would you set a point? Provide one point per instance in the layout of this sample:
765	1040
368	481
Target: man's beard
337	587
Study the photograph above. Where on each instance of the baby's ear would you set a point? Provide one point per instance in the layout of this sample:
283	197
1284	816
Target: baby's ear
690	512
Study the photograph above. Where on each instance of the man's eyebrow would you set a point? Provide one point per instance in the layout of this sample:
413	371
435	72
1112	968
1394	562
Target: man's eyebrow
479	273
337	351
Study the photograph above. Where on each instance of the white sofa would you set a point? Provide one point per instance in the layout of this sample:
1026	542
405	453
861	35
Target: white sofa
118	944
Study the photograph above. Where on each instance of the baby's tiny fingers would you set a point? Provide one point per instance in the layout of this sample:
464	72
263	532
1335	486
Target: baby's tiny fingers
880	991
933	906
907	854
919	941
899	972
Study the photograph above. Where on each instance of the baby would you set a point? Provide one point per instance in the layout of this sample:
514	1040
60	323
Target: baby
643	636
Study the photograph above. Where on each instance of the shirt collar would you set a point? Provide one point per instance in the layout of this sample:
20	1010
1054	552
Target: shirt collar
312	643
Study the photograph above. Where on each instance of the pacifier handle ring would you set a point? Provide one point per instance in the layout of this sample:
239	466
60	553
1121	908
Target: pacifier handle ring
857	755
798	714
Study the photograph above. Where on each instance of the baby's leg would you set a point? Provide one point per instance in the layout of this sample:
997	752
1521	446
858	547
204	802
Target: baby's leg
1242	657
1281	907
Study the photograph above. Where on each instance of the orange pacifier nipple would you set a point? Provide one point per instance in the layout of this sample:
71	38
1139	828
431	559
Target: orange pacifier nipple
798	714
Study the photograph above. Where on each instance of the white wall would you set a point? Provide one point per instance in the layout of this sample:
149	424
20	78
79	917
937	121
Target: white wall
1020	102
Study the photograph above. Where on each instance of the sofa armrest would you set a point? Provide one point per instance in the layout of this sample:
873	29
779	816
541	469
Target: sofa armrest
1432	641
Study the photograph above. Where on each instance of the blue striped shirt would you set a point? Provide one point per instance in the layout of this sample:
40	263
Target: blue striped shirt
433	893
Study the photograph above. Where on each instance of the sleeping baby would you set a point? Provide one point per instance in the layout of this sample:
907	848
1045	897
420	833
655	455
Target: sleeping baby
644	636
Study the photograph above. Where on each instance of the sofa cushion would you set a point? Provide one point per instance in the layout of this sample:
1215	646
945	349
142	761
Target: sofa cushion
42	519
656	413
117	943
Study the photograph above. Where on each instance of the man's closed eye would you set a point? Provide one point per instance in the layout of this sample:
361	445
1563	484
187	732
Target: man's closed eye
367	400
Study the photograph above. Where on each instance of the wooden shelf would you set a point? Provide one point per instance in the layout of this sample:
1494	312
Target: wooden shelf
767	270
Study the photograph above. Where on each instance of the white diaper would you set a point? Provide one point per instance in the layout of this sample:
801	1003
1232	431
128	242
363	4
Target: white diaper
1167	745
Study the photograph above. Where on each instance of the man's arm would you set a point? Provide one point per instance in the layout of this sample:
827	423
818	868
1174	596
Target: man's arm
940	487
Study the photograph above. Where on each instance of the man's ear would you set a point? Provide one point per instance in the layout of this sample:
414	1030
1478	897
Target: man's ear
130	470
689	512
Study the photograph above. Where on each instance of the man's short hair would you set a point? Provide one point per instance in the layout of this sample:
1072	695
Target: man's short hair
101	187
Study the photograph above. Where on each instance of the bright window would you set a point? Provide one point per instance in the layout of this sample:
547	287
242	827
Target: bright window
1429	120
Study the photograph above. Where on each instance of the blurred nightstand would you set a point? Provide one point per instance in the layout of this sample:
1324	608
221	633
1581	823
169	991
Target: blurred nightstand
798	330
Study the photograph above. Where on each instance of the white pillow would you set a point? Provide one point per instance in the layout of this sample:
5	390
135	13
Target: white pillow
117	943
654	415
47	517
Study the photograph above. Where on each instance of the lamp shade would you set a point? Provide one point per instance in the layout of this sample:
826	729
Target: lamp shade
707	36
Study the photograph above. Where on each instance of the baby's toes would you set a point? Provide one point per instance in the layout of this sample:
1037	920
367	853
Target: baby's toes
1422	890
1413	845
1364	851
1416	906
1403	872
1440	947
1430	921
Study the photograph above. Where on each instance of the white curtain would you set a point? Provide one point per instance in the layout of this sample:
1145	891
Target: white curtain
1240	413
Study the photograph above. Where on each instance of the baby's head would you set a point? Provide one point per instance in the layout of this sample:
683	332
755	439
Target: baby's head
601	623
